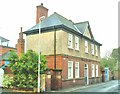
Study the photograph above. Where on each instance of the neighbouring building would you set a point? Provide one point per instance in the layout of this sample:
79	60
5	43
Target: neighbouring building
5	51
68	46
4	54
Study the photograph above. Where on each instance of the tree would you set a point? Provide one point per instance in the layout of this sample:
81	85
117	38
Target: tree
25	68
110	60
115	54
110	63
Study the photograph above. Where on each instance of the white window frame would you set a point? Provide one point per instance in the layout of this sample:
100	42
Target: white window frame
77	75
86	46
70	41
70	72
92	49
93	70
96	49
96	70
76	43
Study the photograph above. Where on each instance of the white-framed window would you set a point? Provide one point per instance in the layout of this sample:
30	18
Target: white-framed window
86	46
96	50
76	69
70	40
93	70
76	43
96	70
70	69
92	49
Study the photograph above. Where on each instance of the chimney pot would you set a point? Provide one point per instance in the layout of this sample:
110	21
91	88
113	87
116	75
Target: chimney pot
41	4
41	12
21	29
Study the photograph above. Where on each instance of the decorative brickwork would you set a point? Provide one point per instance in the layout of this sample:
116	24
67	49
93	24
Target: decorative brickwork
21	43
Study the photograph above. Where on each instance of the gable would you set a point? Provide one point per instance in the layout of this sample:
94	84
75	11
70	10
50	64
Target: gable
87	33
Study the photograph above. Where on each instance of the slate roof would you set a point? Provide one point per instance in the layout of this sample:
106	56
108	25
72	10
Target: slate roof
3	39
53	20
58	21
5	56
82	26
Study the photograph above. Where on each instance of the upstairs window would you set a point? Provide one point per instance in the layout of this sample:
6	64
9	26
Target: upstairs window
96	49
76	69
70	40
86	46
70	69
92	49
76	43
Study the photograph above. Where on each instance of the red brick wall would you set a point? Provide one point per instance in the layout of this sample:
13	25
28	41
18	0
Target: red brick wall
20	48
1	63
72	83
6	49
62	63
3	50
81	66
50	62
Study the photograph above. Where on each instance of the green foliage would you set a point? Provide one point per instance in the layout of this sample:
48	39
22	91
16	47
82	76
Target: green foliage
110	63
116	54
25	69
111	60
7	82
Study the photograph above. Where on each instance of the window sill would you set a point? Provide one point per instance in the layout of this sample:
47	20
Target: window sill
69	78
70	48
86	52
77	50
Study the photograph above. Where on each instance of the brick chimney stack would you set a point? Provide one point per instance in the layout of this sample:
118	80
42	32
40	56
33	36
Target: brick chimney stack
41	11
20	44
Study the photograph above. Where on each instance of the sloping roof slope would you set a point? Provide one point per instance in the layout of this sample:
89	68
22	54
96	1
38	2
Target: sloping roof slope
57	20
53	20
3	39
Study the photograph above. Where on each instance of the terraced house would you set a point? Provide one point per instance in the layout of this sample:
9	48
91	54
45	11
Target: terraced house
68	46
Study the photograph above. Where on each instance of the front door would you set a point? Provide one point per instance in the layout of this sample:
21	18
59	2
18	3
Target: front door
106	74
86	78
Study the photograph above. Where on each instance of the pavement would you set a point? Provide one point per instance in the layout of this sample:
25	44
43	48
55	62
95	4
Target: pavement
79	87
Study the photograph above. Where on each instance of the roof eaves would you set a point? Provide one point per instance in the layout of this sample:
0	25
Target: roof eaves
92	40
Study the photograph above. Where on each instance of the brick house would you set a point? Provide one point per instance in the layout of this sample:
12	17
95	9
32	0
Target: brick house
68	46
5	51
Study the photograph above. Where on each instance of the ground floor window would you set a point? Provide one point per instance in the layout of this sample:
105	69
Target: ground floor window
70	69
76	69
96	70
93	70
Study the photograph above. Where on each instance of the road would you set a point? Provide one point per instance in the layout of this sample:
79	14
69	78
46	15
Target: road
111	86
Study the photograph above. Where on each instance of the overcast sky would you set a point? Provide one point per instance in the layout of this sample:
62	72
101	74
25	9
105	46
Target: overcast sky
101	14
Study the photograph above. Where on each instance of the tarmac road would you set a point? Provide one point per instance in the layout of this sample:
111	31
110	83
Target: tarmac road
110	86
